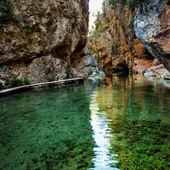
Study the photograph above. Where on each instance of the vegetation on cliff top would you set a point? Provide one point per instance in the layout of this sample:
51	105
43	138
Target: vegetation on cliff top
127	3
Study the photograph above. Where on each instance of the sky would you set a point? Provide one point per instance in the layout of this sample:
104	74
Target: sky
94	7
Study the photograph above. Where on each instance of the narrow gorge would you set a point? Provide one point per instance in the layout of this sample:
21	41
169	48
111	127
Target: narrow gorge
116	117
132	36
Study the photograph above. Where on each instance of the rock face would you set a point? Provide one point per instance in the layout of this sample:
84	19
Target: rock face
152	27
109	42
114	41
40	39
157	71
130	34
87	66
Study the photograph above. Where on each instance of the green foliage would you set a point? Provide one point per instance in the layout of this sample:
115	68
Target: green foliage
134	3
20	18
6	14
68	71
99	27
127	4
20	82
131	71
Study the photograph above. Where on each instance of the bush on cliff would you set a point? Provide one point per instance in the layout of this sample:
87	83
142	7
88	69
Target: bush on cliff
5	12
127	3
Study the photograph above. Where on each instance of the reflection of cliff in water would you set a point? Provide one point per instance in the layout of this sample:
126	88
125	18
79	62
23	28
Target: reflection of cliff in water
140	122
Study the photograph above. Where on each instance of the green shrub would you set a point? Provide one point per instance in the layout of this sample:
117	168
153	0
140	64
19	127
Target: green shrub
6	14
20	82
68	71
126	3
19	18
98	25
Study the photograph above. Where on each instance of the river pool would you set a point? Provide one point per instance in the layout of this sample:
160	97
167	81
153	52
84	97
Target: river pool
125	125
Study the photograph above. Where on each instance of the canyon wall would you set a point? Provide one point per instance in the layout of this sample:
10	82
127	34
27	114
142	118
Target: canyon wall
129	34
39	39
152	27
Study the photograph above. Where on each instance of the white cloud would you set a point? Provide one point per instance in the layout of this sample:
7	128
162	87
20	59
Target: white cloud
95	6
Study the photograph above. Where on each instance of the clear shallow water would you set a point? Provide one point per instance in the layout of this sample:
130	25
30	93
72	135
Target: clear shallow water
122	126
103	158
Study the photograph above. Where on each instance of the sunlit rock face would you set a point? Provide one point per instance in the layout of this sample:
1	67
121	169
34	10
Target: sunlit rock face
109	42
152	27
127	30
114	41
41	39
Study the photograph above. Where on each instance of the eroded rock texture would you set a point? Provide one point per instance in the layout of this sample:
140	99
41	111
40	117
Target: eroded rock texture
114	42
152	27
40	38
130	34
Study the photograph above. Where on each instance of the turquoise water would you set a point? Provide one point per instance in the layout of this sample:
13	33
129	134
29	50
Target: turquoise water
125	125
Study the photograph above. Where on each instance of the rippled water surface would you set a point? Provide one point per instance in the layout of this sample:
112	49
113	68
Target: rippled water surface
125	125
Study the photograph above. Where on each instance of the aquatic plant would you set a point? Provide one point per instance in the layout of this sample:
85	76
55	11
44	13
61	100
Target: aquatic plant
141	144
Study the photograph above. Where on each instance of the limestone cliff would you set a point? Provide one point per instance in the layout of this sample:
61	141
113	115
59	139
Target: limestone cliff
110	43
40	38
152	27
129	34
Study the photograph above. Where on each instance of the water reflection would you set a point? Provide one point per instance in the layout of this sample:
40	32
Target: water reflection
139	121
129	122
103	159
